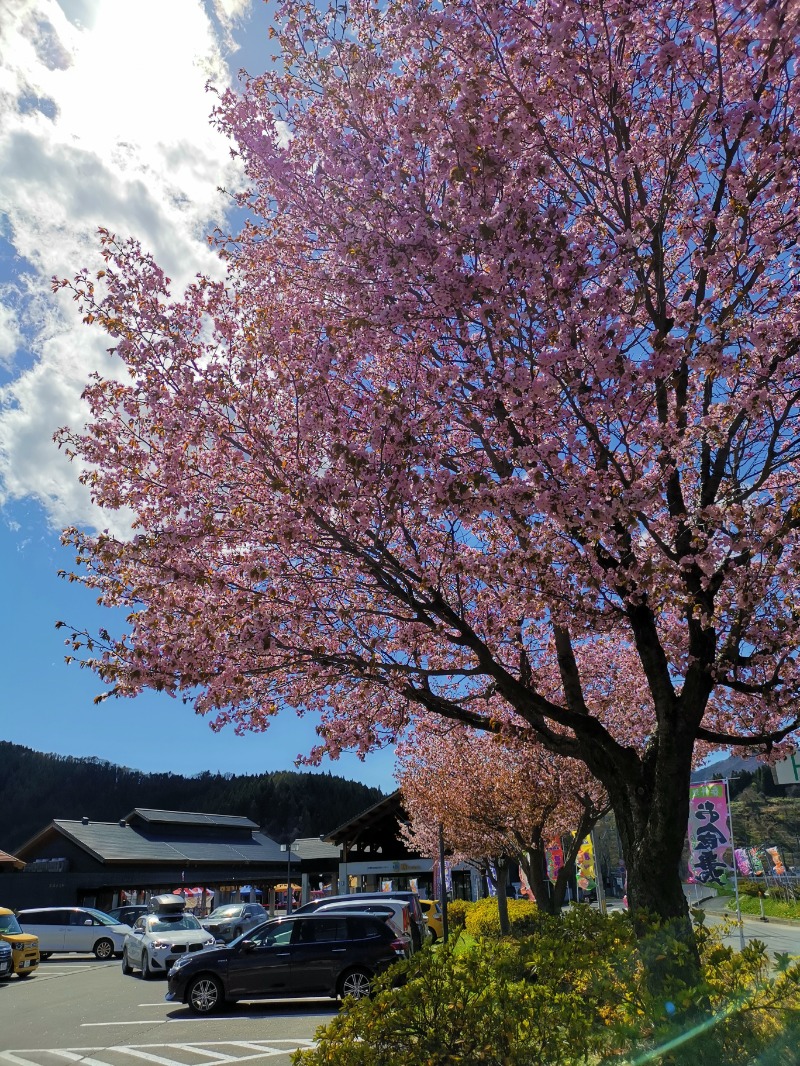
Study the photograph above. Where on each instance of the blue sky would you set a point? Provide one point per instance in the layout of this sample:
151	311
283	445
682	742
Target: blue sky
103	122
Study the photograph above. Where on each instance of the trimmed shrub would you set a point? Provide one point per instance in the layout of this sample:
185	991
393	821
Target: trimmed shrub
470	1007
573	993
457	914
483	918
750	887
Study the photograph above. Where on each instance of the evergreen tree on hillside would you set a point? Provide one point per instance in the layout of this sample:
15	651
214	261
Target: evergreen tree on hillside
35	788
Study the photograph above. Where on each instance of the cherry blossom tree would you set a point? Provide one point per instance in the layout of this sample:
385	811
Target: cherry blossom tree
495	412
496	801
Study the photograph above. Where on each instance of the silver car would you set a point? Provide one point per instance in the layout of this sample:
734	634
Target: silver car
157	941
232	919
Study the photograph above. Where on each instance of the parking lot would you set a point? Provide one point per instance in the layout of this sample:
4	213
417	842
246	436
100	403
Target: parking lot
76	1009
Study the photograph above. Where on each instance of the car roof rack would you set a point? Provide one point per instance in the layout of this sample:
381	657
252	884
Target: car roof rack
167	903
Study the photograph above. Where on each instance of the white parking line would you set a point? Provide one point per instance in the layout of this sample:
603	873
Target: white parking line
149	1057
218	1018
230	1051
142	1021
202	1051
72	1057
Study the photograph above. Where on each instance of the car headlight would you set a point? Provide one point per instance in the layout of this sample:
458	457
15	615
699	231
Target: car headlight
210	943
160	945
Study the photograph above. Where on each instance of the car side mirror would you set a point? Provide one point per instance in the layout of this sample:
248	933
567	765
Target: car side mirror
88	922
247	946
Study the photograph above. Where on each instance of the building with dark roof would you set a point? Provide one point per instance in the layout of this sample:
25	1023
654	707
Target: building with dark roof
103	863
374	854
10	862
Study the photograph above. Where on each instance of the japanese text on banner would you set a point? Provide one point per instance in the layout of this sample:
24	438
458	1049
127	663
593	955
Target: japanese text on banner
710	850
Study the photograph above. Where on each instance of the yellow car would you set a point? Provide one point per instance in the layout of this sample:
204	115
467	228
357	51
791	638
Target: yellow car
24	946
433	916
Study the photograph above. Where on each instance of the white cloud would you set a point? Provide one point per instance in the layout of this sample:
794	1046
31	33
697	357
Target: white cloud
10	335
103	122
230	12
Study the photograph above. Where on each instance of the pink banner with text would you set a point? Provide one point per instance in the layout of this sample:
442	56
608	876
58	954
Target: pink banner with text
710	850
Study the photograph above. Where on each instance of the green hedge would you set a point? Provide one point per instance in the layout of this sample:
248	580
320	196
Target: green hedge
457	914
571	994
483	919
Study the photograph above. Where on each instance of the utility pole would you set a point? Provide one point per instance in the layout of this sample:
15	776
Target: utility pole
735	871
442	885
598	875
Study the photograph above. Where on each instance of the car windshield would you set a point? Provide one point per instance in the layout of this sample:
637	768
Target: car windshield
101	916
170	923
9	924
226	912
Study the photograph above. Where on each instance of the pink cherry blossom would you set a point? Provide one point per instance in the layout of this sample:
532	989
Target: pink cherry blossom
495	413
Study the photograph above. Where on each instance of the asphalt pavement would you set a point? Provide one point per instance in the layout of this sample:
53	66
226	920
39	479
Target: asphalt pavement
779	934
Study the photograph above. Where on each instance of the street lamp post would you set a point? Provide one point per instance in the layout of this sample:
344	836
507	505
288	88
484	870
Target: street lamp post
287	847
289	877
286	843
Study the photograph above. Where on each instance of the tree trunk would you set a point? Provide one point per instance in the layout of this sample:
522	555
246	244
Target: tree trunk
502	895
552	895
652	818
649	794
534	864
560	887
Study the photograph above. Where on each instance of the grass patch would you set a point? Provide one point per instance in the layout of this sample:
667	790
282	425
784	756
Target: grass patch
773	908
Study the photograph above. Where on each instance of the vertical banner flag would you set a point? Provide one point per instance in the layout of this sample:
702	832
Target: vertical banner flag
491	879
437	877
778	866
554	854
755	862
743	864
710	850
584	866
525	889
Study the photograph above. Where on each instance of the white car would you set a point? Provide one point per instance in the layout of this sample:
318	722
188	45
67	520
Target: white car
74	929
157	941
393	911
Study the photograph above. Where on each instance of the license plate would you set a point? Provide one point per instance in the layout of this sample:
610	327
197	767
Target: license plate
25	963
4	967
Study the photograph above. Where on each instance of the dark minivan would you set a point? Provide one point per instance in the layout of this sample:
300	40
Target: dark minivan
300	955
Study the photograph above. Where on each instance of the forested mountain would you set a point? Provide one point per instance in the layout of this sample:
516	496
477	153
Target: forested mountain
36	788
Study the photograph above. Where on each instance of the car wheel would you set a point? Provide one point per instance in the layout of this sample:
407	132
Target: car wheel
204	995
25	974
126	965
45	954
355	983
147	973
433	936
103	949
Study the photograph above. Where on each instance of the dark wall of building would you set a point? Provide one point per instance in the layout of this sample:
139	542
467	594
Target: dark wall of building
47	886
56	846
